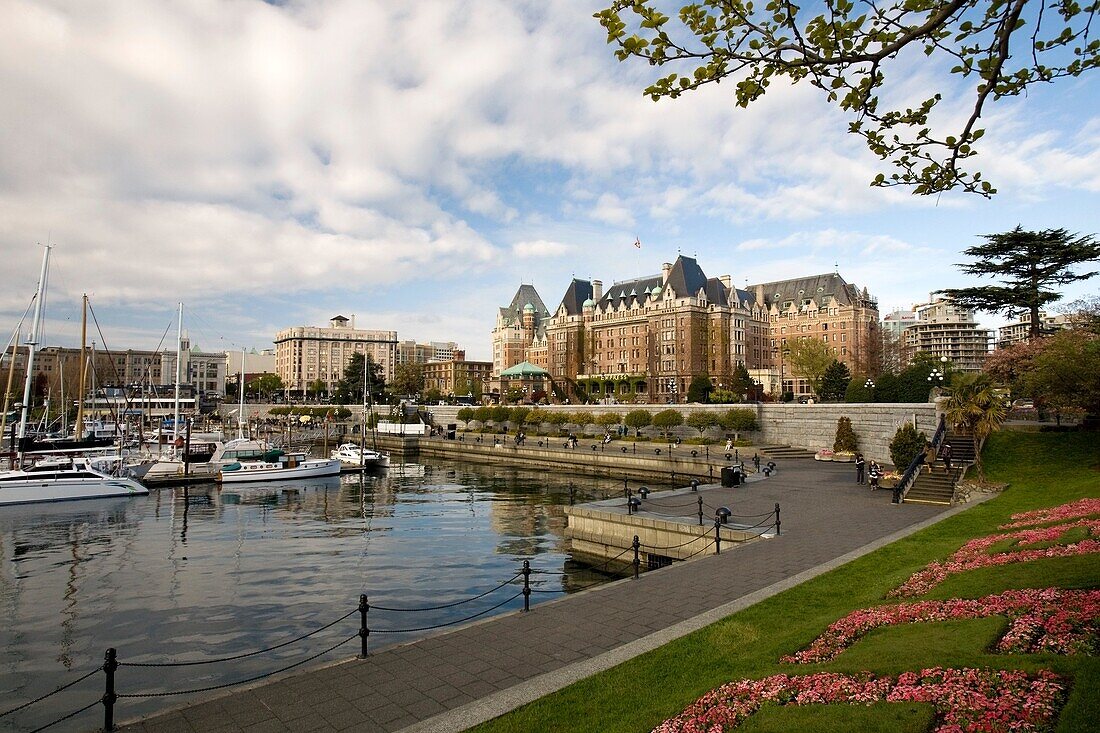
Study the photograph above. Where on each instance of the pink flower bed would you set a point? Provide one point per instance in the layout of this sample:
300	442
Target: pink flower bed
975	554
1049	620
964	699
1062	513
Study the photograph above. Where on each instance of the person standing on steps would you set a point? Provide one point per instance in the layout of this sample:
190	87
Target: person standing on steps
945	456
756	461
929	456
860	464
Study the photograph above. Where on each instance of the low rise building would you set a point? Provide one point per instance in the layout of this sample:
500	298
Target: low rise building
458	377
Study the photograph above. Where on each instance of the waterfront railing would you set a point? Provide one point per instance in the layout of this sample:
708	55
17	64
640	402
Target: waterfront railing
519	585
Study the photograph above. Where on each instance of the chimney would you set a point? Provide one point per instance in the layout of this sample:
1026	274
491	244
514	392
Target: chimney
727	281
666	268
353	320
597	289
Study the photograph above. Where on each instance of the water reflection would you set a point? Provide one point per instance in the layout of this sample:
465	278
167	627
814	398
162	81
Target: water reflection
195	573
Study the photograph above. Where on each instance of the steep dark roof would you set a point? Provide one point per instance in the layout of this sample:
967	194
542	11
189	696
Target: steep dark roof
578	292
526	294
686	277
632	289
817	287
716	291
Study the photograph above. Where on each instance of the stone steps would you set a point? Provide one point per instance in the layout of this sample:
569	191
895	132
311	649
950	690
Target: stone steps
937	487
784	451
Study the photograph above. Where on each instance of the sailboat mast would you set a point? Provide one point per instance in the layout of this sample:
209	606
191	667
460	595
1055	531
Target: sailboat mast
11	375
78	428
240	398
36	327
179	366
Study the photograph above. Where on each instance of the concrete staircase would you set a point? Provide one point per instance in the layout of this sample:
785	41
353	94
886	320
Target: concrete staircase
776	452
938	487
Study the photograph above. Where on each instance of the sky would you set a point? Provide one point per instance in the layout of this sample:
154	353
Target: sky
412	163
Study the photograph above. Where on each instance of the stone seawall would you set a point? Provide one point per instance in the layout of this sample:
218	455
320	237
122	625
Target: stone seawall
804	426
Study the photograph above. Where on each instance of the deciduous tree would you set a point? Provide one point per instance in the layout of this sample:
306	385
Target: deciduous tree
809	358
851	50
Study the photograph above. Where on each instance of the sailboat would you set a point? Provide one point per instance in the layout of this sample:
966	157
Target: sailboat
55	479
351	454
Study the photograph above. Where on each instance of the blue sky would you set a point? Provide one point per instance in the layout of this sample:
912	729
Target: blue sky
412	163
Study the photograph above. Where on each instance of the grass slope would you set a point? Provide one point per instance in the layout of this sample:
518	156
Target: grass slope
1043	470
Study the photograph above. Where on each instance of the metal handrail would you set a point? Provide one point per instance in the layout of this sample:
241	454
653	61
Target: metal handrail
911	473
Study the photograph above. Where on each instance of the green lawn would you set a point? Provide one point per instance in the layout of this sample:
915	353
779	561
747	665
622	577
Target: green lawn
1043	470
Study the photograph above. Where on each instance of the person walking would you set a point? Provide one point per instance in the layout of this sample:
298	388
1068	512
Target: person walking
945	456
929	456
756	461
860	465
873	475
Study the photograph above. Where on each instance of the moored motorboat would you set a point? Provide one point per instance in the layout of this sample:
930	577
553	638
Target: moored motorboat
351	454
281	466
63	479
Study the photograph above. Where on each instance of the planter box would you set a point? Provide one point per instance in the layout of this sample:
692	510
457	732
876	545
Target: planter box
844	457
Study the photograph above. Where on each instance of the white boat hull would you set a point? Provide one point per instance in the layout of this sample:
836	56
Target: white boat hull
38	490
277	471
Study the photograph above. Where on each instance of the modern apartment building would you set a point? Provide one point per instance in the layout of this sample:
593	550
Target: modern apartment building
305	354
1020	329
946	329
410	352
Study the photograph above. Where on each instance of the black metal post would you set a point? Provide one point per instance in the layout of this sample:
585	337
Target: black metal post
364	632
708	452
526	585
717	537
637	562
110	664
700	510
777	522
572	493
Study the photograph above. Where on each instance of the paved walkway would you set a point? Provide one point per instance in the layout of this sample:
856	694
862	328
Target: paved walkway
453	680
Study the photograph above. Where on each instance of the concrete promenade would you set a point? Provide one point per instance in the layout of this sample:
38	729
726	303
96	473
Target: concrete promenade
453	680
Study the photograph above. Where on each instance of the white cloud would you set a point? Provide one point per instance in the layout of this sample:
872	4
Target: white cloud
542	248
237	149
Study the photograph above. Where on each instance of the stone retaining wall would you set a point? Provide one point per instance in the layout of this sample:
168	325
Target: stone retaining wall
804	426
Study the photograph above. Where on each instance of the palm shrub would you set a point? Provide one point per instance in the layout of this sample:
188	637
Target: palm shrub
846	439
907	443
979	410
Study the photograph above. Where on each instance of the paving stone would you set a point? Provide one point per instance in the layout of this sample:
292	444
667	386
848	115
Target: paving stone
824	516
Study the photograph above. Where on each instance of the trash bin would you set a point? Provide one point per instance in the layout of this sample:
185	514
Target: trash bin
737	476
729	476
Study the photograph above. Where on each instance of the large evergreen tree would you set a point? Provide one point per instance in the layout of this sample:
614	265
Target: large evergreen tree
834	383
1028	264
349	390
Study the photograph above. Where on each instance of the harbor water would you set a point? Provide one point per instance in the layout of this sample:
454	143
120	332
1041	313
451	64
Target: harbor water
198	574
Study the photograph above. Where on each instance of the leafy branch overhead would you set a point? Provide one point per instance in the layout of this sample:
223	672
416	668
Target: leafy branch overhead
847	49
